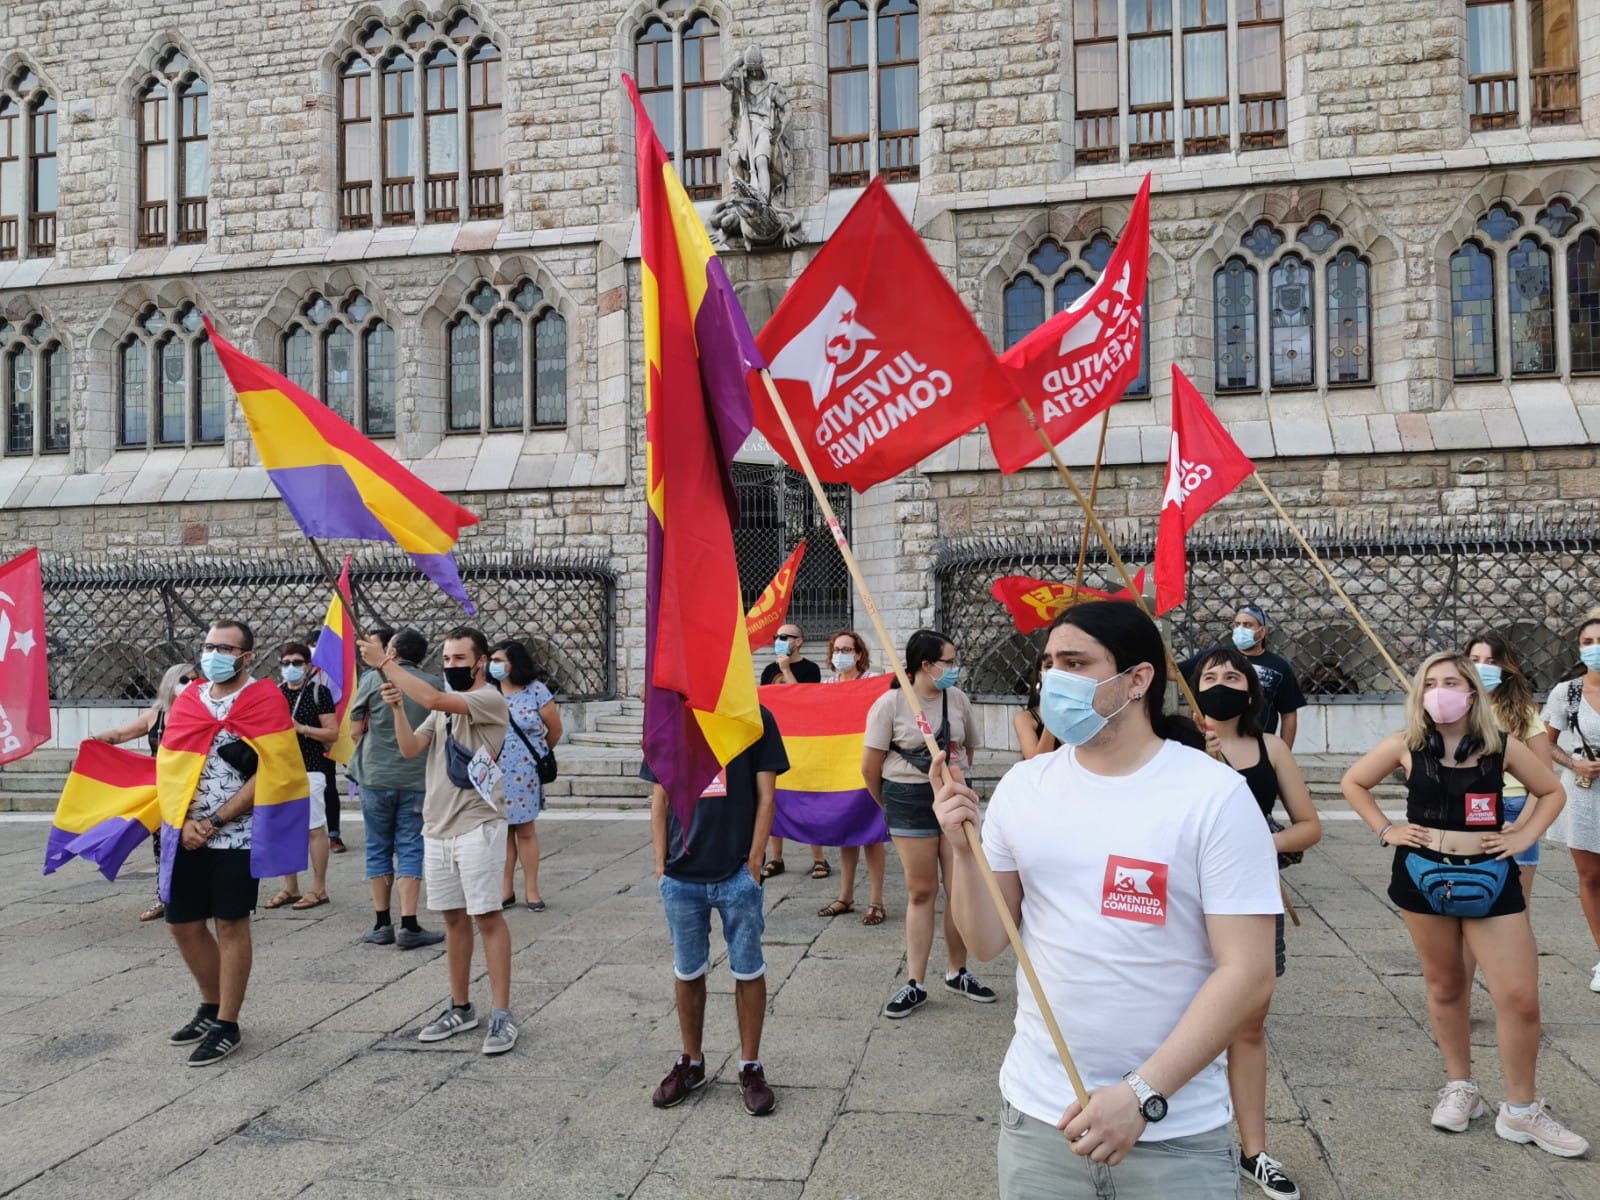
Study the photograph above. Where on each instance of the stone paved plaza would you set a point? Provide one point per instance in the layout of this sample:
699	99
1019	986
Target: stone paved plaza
332	1096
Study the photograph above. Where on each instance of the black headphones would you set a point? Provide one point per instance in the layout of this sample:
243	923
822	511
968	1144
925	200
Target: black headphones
1465	749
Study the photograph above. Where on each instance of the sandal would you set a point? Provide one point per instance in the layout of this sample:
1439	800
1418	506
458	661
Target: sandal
309	900
154	913
820	869
875	915
774	867
837	909
283	898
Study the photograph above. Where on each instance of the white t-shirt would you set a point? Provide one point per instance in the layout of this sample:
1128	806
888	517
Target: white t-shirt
1118	875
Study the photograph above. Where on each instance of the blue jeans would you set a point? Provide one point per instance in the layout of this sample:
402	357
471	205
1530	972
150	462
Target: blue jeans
393	822
1514	806
688	906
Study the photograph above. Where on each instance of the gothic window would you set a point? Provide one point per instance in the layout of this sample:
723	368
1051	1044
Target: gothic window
678	67
27	168
1131	42
1531	293
1316	263
507	350
345	356
1583	302
1472	311
1051	280
34	388
171	388
421	122
1503	92
874	103
174	127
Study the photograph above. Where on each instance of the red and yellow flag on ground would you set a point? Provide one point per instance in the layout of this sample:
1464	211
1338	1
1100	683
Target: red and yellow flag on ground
767	614
700	707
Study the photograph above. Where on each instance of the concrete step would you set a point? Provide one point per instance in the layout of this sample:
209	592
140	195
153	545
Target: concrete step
613	741
24	802
623	726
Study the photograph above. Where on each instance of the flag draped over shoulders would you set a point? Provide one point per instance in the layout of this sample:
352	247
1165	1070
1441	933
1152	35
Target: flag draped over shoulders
282	814
106	809
335	660
822	798
700	696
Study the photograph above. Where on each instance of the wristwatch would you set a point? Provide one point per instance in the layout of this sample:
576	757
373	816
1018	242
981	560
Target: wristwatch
1152	1104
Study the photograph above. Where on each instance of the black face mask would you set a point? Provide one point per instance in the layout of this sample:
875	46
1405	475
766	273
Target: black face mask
460	678
1222	703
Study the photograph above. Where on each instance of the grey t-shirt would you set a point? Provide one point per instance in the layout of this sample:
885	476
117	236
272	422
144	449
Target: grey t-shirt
378	761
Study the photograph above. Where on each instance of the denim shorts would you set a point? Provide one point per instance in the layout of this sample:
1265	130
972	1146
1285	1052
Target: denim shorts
393	821
739	899
908	810
1514	806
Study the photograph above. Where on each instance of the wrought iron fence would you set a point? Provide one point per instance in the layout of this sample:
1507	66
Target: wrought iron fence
776	510
116	624
1421	588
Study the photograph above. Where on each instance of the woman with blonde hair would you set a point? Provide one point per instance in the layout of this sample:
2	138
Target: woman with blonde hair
1454	881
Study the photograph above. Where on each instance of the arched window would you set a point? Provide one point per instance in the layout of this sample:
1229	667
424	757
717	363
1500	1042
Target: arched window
1472	311
1052	279
344	355
507	351
171	387
421	119
1583	302
678	64
27	168
174	161
1532	302
874	91
34	389
1295	274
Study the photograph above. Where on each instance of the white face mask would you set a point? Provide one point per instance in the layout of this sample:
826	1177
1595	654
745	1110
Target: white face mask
845	660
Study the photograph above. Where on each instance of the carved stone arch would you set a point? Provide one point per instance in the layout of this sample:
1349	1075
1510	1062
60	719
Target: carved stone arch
144	64
499	273
337	285
14	61
17	307
1462	224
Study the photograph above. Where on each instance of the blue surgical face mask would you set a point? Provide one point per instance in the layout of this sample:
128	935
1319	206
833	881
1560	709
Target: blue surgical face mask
1489	675
294	673
780	647
498	670
845	660
948	679
1243	639
1066	706
1591	657
218	667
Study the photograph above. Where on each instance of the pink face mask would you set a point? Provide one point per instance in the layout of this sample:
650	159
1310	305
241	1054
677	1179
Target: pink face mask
1445	705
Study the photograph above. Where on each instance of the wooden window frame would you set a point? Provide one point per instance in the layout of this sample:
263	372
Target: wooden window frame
855	159
850	156
484	323
485	186
1493	97
30	231
1263	116
355	197
318	333
192	344
700	167
176	217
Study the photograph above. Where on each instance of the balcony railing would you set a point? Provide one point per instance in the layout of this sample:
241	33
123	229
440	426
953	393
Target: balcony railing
849	164
1097	136
898	157
355	205
485	192
399	201
1262	122
1555	96
1150	131
191	220
1492	101
153	223
438	198
702	173
1205	127
8	237
42	235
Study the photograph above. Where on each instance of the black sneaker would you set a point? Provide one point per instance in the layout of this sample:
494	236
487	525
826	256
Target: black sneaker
912	996
194	1031
1267	1172
966	983
218	1044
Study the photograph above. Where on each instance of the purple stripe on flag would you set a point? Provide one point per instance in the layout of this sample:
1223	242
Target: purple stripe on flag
169	855
326	503
829	818
727	356
109	843
441	568
279	838
328	657
56	852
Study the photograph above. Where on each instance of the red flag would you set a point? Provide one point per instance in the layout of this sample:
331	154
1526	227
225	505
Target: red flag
24	679
1034	603
1079	362
875	356
1203	466
772	606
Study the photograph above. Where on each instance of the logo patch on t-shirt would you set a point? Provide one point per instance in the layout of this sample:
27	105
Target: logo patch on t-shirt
717	787
1480	808
1135	890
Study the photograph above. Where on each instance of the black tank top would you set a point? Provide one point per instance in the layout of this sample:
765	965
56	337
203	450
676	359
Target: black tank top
1262	779
1458	798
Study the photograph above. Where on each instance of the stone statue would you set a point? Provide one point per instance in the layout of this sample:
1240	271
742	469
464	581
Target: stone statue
758	158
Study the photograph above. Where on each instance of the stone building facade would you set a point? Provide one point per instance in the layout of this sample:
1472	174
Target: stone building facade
1395	134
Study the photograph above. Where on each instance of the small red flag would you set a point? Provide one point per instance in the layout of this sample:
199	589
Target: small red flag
1034	603
1079	362
24	677
876	358
1203	466
772	606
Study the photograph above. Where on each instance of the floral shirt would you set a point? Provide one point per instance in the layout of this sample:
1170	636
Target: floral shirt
524	792
219	782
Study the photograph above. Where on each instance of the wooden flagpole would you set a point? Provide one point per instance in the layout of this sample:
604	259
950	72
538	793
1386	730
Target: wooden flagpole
1394	667
973	841
333	581
1094	489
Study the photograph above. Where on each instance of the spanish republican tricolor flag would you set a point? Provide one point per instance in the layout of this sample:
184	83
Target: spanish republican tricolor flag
107	808
335	658
700	695
282	815
822	798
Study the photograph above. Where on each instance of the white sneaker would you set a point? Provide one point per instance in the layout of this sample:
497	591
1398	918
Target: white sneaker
1540	1128
1594	979
1460	1103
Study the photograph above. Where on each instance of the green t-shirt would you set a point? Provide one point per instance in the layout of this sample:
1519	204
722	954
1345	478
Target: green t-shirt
378	763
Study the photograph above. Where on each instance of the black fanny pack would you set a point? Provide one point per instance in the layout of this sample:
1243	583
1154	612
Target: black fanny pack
919	757
1465	889
457	758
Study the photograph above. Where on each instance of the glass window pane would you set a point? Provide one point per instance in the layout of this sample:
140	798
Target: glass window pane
339	372
196	165
1349	320
897	99
1583	302
1205	65
135	399
1555	34
1074	284
20	400
1293	329
1533	335
381	375
1097	76
550	370
488	139
848	114
173	389
1024	308
155	173
506	372
1150	71
466	410
1261	61
1234	300
1149	16
211	421
1472	312
1489	45
297	359
56	414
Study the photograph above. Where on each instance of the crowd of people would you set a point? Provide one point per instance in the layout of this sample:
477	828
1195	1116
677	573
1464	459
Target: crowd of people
1137	849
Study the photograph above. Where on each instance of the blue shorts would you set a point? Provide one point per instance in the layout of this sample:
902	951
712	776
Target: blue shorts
393	838
1514	806
739	899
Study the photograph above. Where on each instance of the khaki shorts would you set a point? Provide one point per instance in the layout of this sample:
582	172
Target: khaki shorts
466	871
317	782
